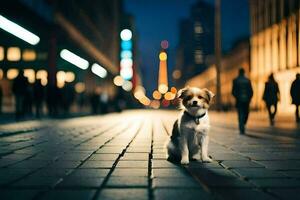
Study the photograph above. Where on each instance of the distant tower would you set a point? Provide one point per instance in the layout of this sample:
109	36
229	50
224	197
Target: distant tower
163	69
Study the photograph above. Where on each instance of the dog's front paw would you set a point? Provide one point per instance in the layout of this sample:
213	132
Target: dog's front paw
184	161
207	159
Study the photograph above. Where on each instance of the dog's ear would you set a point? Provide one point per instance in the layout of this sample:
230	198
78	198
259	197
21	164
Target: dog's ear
209	94
182	92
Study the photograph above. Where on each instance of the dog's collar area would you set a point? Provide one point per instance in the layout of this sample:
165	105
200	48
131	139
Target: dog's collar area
195	118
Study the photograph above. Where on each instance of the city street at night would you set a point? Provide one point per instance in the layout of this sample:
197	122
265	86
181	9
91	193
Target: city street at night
149	99
122	156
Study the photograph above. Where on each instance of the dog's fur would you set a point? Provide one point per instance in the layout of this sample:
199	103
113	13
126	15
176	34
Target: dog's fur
189	138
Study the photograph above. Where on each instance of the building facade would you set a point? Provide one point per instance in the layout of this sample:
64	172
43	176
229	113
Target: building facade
196	41
275	47
235	59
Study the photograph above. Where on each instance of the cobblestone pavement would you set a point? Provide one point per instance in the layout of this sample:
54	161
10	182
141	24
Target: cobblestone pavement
122	156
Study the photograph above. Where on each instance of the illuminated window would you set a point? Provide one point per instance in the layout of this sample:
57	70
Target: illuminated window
198	28
42	75
198	57
13	54
30	74
1	74
80	87
70	77
60	79
12	74
29	55
1	53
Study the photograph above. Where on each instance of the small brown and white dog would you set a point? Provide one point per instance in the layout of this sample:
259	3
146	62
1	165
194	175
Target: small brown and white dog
189	138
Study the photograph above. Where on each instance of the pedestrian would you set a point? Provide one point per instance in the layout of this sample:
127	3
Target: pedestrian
242	91
19	89
1	96
38	91
295	94
271	97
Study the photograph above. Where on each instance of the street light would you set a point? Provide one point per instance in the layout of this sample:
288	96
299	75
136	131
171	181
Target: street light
18	31
99	70
74	59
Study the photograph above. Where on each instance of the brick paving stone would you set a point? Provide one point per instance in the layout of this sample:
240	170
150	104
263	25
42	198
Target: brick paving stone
37	182
65	164
258	173
130	172
240	164
123	193
80	182
70	194
292	174
135	156
276	182
163	164
128	181
227	156
286	193
172	172
242	193
17	194
179	194
53	172
117	150
89	173
132	164
97	164
281	165
171	182
104	156
161	156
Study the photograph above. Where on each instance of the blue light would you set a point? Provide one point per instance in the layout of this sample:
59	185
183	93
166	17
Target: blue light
126	45
126	54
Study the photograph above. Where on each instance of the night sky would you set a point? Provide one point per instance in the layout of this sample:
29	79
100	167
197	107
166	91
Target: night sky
157	20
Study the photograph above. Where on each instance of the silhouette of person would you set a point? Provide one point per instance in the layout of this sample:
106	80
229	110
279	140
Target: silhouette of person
243	92
19	89
271	97
1	96
38	92
295	94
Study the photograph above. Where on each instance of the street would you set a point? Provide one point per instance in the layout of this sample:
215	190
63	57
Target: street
122	156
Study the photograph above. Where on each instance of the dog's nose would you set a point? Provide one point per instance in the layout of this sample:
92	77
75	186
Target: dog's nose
194	102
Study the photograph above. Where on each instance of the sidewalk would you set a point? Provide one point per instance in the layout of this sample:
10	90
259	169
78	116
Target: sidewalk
122	156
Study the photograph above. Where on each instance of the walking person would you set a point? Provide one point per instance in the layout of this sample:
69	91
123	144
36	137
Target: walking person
19	89
295	94
243	92
271	97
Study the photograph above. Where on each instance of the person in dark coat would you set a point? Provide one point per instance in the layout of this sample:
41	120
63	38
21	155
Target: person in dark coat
19	89
243	92
295	94
271	97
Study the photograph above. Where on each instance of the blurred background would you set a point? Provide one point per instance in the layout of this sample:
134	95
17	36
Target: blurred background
72	57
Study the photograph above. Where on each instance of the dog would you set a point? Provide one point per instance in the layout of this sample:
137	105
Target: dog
189	139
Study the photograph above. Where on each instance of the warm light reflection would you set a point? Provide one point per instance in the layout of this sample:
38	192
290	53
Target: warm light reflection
1	74
79	87
162	88
1	53
30	75
42	75
156	95
29	55
118	81
12	74
13	54
176	74
70	77
155	104
163	56
173	90
169	96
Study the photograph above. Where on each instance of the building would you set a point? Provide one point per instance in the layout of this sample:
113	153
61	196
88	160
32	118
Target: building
238	57
275	47
196	42
89	29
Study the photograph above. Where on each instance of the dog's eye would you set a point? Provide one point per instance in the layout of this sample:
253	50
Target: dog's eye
200	97
189	97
